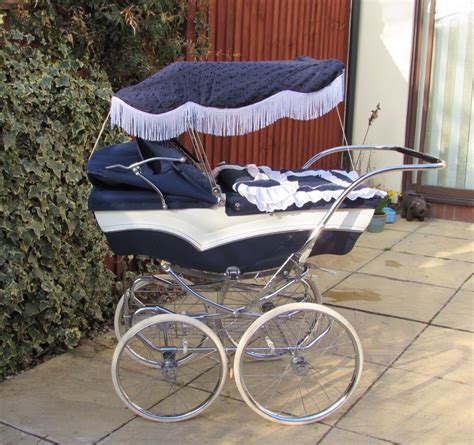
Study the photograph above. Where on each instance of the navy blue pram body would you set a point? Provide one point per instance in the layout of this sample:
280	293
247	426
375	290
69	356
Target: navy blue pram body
121	194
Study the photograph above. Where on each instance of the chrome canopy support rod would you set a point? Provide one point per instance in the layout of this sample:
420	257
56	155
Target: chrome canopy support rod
201	154
99	135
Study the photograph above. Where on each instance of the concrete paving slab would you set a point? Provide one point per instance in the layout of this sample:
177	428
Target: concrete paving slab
326	280
443	353
435	271
338	437
383	338
70	399
225	422
350	262
11	436
469	284
370	373
437	246
406	407
101	347
385	296
458	313
381	241
403	225
454	229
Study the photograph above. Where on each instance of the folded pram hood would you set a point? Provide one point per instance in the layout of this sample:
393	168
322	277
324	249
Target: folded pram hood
227	98
182	183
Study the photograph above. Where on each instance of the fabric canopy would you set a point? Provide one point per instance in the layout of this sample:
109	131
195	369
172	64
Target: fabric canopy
227	98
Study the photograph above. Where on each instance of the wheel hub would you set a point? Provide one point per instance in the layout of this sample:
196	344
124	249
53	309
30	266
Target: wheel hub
169	370
268	306
300	365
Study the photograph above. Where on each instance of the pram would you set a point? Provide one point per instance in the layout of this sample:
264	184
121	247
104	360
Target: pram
232	242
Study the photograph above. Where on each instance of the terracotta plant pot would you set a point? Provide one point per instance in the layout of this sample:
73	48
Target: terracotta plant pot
377	224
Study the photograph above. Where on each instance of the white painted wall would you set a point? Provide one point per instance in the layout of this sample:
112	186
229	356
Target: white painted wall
383	70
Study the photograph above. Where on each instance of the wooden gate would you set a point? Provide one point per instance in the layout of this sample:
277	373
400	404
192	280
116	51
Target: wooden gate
278	30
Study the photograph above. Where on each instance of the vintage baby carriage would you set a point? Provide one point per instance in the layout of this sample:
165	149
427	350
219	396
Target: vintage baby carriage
232	243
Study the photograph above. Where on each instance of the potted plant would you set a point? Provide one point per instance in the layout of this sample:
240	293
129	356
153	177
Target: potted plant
378	220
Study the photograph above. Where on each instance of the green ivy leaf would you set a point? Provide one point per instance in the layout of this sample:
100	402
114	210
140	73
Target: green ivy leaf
63	81
45	82
9	139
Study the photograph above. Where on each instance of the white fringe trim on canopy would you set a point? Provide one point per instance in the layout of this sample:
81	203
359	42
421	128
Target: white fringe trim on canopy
286	194
226	121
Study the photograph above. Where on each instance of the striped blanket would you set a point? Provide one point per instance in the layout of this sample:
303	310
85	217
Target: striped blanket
272	190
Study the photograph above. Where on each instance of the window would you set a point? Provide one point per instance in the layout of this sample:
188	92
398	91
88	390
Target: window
441	111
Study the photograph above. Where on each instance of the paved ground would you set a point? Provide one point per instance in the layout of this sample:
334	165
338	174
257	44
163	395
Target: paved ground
409	293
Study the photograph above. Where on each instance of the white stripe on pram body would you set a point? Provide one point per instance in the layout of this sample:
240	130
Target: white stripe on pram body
209	228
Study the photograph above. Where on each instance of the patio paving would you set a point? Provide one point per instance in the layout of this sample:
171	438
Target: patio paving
408	292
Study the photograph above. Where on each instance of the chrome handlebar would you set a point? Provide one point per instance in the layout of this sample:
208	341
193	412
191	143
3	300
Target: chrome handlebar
402	150
434	163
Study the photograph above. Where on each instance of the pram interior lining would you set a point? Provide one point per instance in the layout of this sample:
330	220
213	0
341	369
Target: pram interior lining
183	184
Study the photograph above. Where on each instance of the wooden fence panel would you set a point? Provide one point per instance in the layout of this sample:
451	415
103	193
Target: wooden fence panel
279	30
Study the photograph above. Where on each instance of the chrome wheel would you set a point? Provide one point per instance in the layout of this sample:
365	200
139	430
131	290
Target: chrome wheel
319	366
174	388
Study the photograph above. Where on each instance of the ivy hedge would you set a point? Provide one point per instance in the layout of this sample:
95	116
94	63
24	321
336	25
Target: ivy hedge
59	61
129	39
53	284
